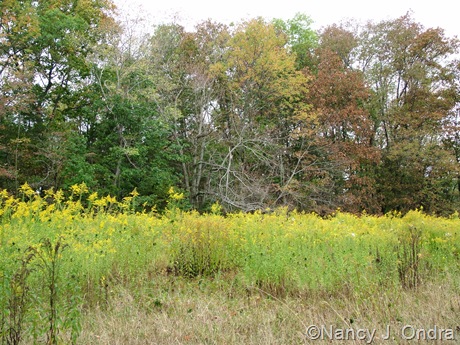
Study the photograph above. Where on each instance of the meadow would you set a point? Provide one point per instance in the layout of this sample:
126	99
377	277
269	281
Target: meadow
78	268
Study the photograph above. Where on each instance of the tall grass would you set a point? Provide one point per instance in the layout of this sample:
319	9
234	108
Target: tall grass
65	253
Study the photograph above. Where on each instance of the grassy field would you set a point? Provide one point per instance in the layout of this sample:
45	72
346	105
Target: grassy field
76	268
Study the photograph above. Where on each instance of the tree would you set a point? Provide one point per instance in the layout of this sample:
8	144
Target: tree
414	93
301	38
342	136
128	139
44	50
261	91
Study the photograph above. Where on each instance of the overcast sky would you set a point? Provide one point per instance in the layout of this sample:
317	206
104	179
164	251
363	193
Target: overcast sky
440	13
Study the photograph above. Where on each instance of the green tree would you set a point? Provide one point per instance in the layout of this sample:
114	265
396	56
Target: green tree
128	139
414	94
263	91
301	38
44	52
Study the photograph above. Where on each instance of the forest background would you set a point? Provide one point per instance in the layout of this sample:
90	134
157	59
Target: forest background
254	115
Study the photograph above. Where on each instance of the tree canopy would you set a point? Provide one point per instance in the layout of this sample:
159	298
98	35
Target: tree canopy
257	115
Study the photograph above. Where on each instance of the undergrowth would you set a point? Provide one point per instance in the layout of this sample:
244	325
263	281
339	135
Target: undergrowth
67	253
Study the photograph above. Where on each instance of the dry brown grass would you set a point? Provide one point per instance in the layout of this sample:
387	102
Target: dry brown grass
180	312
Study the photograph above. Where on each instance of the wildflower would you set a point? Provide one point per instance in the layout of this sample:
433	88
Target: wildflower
83	188
127	199
9	202
79	189
100	202
75	189
49	192
59	196
92	197
3	194
27	190
111	199
175	196
216	208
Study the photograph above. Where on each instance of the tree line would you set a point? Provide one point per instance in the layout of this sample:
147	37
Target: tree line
254	115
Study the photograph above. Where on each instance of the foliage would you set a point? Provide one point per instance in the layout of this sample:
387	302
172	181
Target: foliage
44	52
260	114
302	39
82	252
414	96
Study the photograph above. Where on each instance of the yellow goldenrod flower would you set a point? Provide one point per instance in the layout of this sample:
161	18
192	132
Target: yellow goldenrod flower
92	197
216	208
26	190
111	199
59	196
49	192
175	196
75	189
3	194
100	202
83	188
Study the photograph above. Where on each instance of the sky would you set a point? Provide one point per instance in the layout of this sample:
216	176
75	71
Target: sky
431	14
